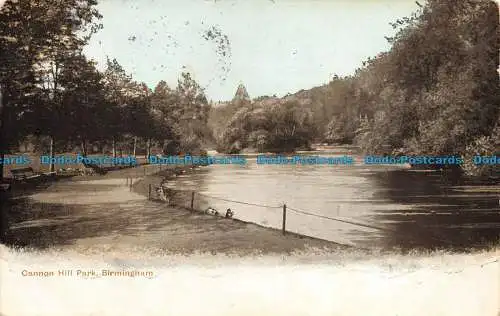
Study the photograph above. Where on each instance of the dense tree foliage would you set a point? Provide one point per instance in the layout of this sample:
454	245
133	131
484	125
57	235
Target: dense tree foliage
37	40
54	97
441	87
268	125
186	111
435	92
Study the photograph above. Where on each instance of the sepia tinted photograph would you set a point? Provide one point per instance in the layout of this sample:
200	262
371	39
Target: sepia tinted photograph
258	157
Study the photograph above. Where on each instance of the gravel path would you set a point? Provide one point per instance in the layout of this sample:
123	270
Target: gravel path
100	213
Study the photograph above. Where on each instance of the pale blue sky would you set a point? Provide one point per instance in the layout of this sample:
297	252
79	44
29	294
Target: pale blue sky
277	46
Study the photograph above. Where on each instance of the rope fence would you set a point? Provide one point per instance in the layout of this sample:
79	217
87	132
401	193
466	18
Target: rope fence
201	202
363	225
239	202
338	220
195	201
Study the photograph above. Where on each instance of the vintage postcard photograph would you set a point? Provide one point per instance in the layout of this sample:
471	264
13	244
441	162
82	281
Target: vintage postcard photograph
257	157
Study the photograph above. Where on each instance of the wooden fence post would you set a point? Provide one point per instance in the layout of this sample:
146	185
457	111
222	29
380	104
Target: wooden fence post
149	192
284	219
192	201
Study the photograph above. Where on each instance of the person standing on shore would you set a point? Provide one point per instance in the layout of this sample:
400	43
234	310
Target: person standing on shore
161	193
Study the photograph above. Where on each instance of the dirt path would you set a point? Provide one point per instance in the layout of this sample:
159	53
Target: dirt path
101	214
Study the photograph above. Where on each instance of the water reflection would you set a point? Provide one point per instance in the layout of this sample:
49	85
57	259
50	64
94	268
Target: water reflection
447	211
365	206
407	209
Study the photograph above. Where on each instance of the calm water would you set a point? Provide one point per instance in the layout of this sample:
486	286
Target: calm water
394	206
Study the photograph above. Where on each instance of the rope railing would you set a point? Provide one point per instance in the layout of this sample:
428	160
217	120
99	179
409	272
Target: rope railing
284	207
337	219
362	224
239	202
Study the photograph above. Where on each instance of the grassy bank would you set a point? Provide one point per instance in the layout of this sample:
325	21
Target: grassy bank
156	175
215	233
99	213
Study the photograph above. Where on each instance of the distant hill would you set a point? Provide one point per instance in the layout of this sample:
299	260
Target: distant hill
314	99
308	96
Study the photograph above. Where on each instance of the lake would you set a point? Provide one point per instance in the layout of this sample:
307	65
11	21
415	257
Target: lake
367	206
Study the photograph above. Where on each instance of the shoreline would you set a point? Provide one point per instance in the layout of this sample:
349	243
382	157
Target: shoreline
106	203
103	213
165	175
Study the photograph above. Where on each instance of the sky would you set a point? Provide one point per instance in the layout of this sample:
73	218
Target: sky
275	47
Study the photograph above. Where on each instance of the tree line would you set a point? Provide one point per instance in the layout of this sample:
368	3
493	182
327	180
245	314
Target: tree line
435	92
54	97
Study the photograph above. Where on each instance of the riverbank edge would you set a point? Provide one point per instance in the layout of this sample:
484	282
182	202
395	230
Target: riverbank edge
142	187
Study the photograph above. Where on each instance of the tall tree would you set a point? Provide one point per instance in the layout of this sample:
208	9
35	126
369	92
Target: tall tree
16	73
36	37
119	90
186	110
83	102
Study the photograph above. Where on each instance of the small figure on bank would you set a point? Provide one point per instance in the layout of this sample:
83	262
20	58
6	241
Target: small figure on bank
161	193
229	213
211	211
